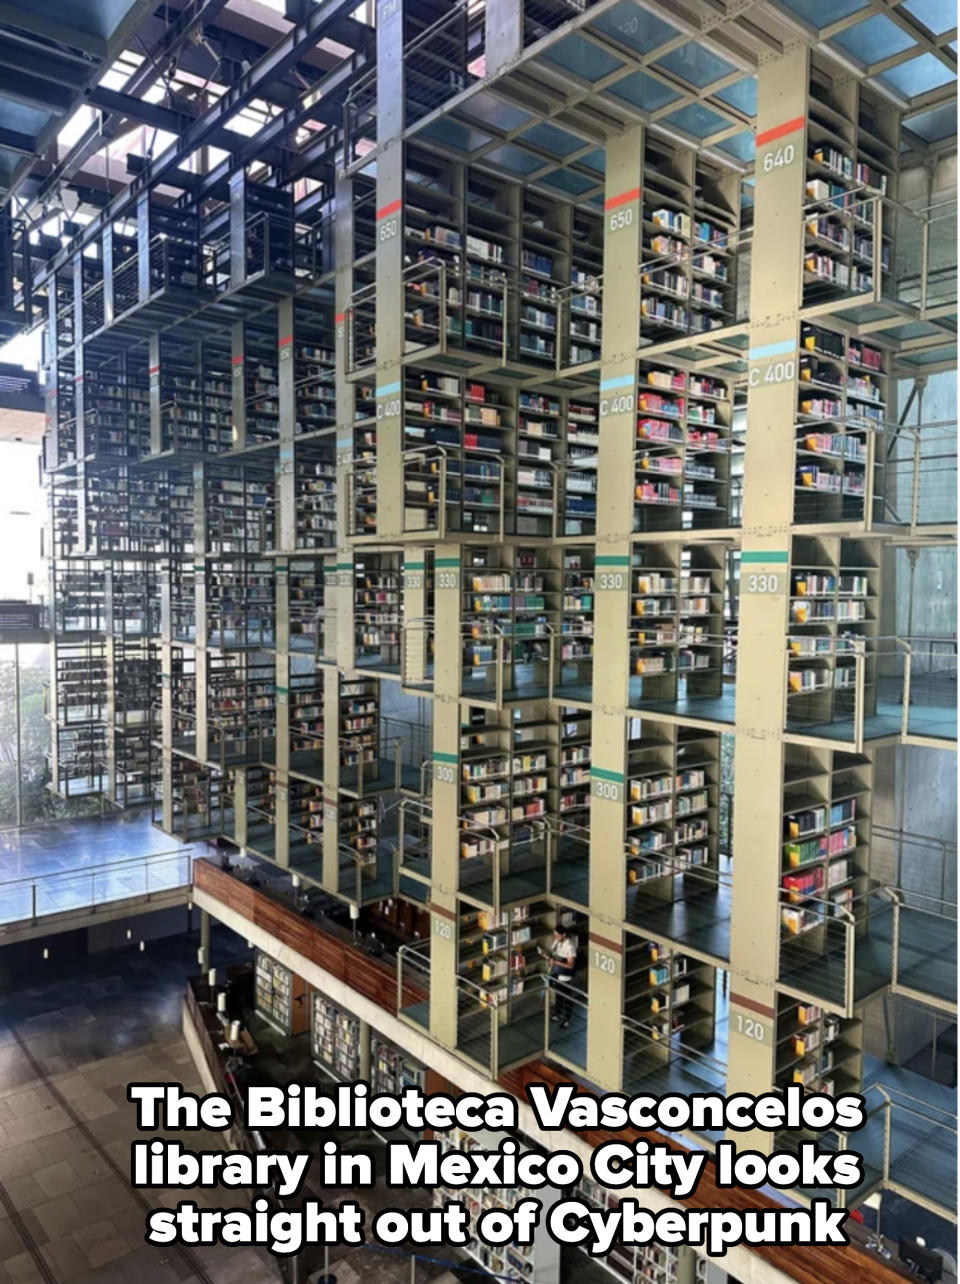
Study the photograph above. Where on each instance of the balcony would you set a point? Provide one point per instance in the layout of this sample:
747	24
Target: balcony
491	1037
857	690
886	938
495	872
681	903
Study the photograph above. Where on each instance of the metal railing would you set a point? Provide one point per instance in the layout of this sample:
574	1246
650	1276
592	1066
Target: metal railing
820	940
919	850
360	322
916	467
900	1154
502	871
854	688
565	1017
360	118
924	949
27	900
647	1051
906	1166
568	861
486	644
436	61
446	490
413	982
413	861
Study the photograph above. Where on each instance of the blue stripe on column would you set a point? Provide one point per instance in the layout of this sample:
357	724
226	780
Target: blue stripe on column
773	349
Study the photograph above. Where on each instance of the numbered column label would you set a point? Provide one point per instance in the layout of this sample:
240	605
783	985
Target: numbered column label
755	1029
605	961
607	789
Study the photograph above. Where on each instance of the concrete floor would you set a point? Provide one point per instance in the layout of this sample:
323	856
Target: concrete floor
66	860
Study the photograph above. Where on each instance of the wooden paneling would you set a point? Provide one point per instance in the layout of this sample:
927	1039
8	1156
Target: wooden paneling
376	980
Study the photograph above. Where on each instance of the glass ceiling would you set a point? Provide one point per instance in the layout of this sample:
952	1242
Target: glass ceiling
635	64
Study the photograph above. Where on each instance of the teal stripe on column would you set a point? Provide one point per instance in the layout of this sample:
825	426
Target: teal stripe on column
757	555
602	774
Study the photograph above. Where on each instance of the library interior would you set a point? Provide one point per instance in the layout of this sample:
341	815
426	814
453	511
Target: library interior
478	598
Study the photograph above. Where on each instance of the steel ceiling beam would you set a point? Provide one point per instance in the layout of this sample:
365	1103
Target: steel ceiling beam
21	144
126	105
274	65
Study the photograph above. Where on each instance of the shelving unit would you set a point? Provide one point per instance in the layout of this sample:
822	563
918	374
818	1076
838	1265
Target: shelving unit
377	579
359	721
826	847
538	1262
636	1264
574	677
677	624
280	996
847	167
691	217
841	412
673	809
509	610
195	396
671	997
834	586
817	1048
500	953
392	1070
686	443
335	1039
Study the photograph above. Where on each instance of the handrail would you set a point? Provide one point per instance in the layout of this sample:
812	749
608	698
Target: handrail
691	1054
39	882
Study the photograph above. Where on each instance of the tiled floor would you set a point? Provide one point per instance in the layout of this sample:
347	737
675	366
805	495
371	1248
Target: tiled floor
66	862
68	1048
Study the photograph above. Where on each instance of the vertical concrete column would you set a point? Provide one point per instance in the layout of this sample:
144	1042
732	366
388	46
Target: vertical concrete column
363	1050
282	750
54	375
285	540
775	300
79	407
389	276
110	659
201	547
338	569
153	375
166	700
504	42
285	513
445	833
238	385
414	609
611	653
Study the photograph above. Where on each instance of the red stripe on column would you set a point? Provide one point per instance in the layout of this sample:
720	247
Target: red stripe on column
339	317
779	131
285	341
236	361
623	199
752	1005
392	208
